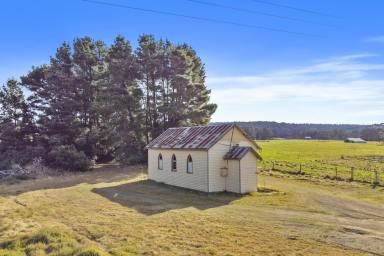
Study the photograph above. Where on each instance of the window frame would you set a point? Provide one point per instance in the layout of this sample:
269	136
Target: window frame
174	161
189	158
158	162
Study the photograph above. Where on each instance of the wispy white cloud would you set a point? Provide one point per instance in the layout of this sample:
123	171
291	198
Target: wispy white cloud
346	93
374	39
334	69
343	82
352	57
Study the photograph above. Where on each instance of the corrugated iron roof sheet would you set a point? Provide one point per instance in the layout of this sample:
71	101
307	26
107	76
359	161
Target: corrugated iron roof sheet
238	152
196	137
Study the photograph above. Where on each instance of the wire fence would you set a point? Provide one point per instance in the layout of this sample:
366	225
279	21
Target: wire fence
370	173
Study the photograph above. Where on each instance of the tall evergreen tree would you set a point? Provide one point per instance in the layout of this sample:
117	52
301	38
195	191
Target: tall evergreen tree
120	103
54	98
93	102
17	128
89	68
173	81
11	102
189	96
148	58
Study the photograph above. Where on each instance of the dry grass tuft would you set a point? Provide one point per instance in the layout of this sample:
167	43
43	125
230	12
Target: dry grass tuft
51	241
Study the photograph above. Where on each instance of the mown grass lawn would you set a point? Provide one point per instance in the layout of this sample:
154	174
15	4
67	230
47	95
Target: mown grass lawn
119	212
321	158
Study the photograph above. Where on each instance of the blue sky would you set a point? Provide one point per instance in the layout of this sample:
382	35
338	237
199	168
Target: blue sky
333	74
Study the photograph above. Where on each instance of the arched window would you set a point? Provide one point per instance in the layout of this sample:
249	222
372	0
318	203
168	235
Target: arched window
174	164
189	164
160	162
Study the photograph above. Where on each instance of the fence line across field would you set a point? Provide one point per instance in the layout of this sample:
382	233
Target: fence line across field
370	173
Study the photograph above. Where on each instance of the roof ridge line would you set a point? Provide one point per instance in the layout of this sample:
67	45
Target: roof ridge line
200	126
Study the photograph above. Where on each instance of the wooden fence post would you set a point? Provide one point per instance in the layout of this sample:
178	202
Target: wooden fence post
352	173
336	174
376	177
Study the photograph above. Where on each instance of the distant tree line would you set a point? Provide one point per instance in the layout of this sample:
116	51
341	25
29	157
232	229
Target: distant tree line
267	130
94	102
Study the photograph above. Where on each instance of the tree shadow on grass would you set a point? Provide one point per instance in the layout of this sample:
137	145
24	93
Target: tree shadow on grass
150	197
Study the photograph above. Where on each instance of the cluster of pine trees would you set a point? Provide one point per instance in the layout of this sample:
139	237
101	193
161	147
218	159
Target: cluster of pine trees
94	102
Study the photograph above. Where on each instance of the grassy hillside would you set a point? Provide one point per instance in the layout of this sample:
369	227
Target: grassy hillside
118	212
321	158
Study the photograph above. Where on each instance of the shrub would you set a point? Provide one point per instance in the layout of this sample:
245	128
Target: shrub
129	153
39	238
10	245
10	157
67	157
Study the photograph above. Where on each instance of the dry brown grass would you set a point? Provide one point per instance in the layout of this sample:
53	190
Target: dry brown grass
122	213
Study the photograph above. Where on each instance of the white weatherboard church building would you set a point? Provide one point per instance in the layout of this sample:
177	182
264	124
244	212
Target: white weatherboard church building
209	158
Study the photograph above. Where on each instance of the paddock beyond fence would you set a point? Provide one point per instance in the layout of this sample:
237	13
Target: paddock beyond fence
371	173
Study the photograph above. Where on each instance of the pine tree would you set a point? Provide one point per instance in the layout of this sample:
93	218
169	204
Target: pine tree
89	68
17	129
189	96
12	101
121	103
57	98
54	98
93	102
173	81
148	59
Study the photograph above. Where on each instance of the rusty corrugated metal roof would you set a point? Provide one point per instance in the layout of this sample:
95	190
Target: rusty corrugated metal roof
196	137
238	152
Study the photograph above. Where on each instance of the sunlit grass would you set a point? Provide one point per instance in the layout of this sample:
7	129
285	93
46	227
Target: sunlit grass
52	241
138	217
325	158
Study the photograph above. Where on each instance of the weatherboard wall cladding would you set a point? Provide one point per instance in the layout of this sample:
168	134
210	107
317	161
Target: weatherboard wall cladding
196	180
216	153
208	163
248	177
233	180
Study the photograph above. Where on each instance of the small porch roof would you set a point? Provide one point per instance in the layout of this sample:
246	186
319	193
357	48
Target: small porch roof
238	152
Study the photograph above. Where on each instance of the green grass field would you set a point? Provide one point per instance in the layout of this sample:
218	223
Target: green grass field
322	158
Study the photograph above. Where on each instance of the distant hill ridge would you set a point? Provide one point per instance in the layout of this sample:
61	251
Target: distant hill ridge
268	129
